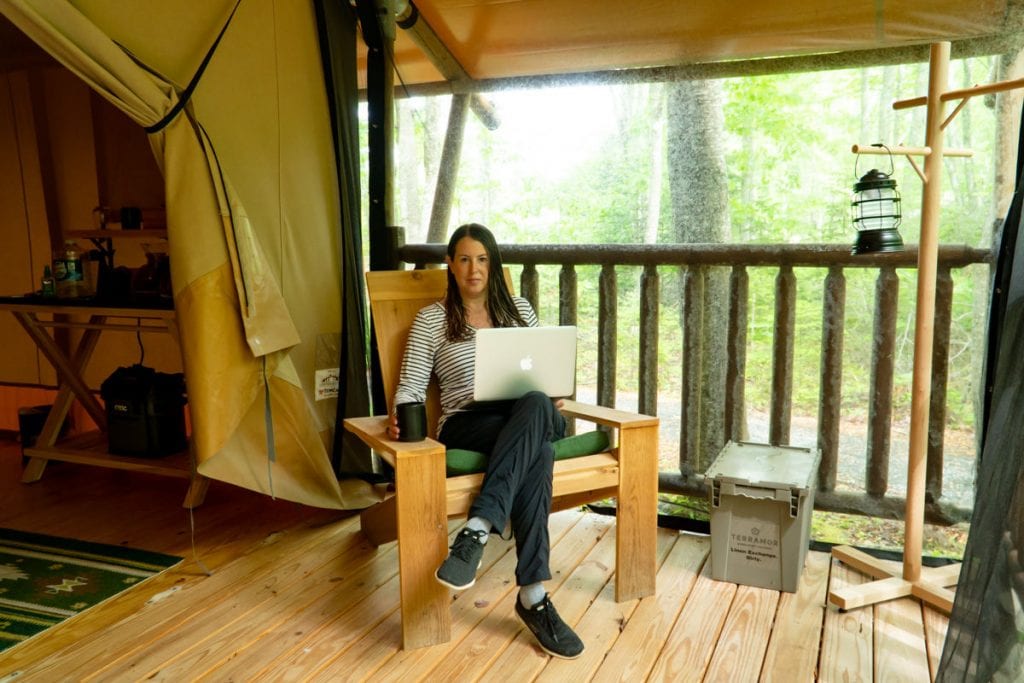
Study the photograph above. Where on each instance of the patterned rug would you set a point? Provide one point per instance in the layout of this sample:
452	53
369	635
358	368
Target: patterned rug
45	579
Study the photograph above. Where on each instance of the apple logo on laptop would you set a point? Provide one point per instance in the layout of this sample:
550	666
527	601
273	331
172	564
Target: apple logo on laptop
526	363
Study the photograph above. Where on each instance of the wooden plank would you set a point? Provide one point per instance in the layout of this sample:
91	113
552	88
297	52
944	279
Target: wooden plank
948	575
252	543
524	659
75	309
322	629
862	562
484	645
900	651
637	513
320	634
376	655
174	465
286	599
422	522
317	653
600	626
871	593
935	626
739	653
691	642
297	618
633	654
934	596
79	658
609	417
793	648
846	645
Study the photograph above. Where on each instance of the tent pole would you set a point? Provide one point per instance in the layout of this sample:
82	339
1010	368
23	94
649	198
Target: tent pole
427	40
388	29
380	71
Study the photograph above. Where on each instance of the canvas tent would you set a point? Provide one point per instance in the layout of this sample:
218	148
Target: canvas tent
258	209
254	216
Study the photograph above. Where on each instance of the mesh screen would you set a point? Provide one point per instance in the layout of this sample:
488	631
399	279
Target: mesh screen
985	640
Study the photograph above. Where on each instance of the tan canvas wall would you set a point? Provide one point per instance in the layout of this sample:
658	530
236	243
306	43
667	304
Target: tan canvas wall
252	211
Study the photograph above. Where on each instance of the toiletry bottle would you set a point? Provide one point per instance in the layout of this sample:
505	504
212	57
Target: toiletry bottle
49	285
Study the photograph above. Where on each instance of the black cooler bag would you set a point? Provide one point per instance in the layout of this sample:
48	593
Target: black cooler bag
145	411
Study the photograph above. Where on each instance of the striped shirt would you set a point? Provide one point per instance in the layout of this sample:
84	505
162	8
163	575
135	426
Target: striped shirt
428	350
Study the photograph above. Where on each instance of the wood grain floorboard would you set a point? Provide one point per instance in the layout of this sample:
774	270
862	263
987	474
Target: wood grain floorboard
298	594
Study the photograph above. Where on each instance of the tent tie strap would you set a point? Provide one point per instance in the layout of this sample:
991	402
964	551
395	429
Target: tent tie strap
186	94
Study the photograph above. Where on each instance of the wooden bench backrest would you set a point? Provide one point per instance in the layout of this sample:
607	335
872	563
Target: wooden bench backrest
396	296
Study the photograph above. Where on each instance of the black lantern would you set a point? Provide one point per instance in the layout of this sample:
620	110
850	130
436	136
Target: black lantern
876	213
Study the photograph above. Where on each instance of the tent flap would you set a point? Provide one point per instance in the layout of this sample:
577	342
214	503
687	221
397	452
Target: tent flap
244	169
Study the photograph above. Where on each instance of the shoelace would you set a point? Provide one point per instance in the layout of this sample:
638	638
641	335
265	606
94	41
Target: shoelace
462	548
550	616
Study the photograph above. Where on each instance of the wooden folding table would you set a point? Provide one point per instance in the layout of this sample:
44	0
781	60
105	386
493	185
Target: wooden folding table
35	315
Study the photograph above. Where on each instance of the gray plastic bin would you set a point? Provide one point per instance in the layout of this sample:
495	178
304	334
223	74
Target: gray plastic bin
761	502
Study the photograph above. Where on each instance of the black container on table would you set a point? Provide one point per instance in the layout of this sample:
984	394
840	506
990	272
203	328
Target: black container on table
145	412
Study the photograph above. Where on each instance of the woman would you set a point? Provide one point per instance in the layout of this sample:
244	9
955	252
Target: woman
517	484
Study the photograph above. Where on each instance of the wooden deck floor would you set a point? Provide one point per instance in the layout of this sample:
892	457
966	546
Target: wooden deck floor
298	594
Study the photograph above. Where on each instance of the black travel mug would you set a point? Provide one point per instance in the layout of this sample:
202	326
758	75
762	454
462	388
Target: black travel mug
412	421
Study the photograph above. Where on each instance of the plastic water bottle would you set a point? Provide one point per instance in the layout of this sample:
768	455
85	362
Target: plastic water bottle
68	272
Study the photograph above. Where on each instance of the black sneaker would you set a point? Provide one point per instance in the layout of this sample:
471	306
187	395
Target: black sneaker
554	635
458	571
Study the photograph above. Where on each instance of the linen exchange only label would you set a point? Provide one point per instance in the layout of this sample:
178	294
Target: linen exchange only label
754	542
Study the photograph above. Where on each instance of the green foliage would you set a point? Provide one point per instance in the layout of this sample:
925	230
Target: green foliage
573	165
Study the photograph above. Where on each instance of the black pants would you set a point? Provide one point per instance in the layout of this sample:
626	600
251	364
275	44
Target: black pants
517	483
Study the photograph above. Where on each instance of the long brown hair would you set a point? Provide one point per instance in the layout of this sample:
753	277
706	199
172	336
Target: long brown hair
500	305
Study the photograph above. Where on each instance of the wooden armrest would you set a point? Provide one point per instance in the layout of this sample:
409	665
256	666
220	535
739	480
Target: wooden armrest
609	417
373	432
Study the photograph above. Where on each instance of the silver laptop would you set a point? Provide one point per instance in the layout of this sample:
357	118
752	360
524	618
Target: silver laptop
511	361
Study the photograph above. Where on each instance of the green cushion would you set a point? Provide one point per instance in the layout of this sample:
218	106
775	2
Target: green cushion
461	461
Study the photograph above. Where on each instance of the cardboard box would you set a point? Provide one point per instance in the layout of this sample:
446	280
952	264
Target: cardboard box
761	502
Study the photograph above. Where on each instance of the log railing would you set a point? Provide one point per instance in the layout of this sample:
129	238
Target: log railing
697	261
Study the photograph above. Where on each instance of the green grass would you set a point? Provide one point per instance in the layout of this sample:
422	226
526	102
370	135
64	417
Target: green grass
843	529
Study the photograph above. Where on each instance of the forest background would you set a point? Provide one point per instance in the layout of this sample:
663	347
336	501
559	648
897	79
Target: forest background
763	159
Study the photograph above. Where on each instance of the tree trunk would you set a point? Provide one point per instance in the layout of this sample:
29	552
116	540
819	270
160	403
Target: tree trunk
657	161
700	207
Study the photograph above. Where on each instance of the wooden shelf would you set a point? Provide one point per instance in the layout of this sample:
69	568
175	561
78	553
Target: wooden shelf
144	233
90	448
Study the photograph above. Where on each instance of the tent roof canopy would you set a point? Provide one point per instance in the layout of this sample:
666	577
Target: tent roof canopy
505	39
502	39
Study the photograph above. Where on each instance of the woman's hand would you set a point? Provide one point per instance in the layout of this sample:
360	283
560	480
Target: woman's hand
559	403
392	430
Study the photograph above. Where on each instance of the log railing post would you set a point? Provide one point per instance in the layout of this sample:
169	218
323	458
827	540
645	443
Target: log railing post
607	335
883	352
649	295
736	361
693	337
830	395
782	356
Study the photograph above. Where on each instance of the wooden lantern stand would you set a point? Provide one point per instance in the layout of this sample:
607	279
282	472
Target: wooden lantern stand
930	585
